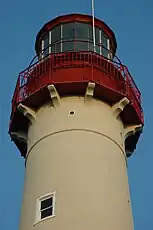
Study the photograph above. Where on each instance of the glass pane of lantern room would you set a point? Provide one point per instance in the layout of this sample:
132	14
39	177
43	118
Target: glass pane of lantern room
56	39
68	36
81	36
69	31
82	31
91	44
97	39
46	45
104	44
56	47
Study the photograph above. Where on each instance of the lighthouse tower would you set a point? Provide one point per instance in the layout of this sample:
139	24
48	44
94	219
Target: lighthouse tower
76	118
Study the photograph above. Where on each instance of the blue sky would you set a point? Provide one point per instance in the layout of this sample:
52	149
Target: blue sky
132	22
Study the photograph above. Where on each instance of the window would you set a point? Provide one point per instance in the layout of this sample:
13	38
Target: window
68	34
82	35
75	36
105	45
69	30
45	207
56	39
56	34
97	39
82	31
45	44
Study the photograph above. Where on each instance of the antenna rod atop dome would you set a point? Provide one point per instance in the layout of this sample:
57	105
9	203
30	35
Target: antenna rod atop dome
93	25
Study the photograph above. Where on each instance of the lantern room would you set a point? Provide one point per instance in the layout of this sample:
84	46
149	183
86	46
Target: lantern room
74	33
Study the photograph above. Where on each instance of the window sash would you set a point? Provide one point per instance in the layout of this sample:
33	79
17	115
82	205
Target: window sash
39	211
51	206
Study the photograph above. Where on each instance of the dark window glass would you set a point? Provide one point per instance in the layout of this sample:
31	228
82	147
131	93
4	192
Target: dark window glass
80	46
46	45
97	35
56	34
46	203
97	39
91	46
47	212
81	31
56	48
97	48
90	33
69	31
104	44
68	46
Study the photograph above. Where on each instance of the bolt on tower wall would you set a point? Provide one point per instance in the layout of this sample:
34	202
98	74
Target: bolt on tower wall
76	117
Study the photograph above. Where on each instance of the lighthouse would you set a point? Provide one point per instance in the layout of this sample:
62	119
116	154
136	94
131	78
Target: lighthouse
76	119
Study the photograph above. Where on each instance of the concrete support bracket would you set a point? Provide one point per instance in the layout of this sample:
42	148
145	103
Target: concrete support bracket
119	106
131	130
89	92
21	137
28	112
54	95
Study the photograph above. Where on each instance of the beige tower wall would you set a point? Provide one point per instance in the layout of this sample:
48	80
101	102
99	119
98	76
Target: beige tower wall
81	158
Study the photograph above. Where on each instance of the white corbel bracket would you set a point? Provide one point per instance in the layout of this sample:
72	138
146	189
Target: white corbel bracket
89	92
131	130
19	136
54	95
119	106
27	112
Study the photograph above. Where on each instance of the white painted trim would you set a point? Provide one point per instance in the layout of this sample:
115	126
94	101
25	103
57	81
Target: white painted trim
108	47
50	41
93	25
61	38
42	53
100	41
38	207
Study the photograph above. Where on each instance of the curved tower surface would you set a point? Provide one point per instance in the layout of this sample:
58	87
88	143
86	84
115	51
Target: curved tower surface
76	118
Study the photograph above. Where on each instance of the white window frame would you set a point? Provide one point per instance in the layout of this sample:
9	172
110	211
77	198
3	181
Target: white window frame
38	207
61	39
108	47
100	41
42	47
50	41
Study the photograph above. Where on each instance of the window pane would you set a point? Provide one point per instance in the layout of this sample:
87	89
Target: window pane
90	33
82	31
104	44
46	45
97	48
56	34
46	203
47	212
68	46
97	35
80	46
56	48
69	30
97	39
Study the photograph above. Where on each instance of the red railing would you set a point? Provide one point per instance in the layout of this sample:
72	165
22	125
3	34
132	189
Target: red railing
115	70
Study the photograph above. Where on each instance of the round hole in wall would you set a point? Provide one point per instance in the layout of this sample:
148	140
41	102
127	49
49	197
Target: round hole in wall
71	112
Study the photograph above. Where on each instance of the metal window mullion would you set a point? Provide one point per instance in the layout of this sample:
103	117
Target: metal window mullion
61	38
46	208
108	47
88	37
100	41
50	41
42	52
